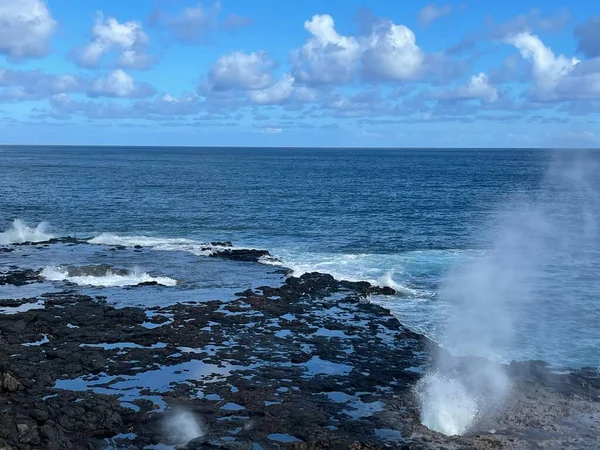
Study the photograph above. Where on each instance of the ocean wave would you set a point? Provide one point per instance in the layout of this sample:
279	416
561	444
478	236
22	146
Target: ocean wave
109	278
197	248
342	267
20	232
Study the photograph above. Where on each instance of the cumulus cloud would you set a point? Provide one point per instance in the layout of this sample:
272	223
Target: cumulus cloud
25	85
548	69
327	57
244	71
26	27
361	104
28	85
588	36
120	84
390	52
160	108
281	92
274	94
432	12
478	88
107	34
387	52
529	22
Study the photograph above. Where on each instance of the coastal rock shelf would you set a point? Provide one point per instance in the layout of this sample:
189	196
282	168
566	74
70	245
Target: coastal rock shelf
308	364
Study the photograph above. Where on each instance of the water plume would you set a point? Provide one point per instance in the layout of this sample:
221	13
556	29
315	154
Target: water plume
181	426
20	232
537	249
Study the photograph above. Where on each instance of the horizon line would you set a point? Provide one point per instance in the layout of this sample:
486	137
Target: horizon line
293	147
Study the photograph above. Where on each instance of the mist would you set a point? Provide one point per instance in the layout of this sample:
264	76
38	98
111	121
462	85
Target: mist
520	295
181	426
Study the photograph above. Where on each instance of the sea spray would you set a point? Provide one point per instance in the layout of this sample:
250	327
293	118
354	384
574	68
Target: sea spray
181	426
534	241
20	232
108	278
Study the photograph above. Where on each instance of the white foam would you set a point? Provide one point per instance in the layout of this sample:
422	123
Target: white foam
197	248
446	404
108	280
131	241
19	232
377	270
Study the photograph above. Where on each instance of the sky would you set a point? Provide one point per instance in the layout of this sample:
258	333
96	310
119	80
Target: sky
377	73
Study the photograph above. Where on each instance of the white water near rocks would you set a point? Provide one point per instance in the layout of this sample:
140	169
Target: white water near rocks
20	232
493	297
108	280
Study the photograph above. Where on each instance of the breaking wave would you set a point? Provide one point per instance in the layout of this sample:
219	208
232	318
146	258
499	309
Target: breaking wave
20	232
108	279
163	244
348	267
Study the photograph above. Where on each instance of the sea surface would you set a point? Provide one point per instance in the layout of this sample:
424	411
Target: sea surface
496	247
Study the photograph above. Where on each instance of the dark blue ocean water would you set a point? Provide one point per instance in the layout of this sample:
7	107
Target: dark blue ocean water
404	218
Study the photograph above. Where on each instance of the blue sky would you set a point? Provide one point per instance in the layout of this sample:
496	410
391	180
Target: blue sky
309	73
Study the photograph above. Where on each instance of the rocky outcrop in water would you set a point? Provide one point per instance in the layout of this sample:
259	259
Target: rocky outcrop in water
20	277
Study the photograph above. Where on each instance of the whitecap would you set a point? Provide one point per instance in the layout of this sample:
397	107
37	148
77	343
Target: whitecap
109	279
347	267
197	248
20	232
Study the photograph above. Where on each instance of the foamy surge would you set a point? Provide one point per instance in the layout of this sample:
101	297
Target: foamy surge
19	232
342	267
109	279
163	244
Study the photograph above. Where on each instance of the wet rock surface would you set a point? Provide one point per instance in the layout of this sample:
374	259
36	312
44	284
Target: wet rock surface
309	364
18	277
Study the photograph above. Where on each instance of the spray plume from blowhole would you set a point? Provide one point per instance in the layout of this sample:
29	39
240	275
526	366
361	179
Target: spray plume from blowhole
181	426
502	299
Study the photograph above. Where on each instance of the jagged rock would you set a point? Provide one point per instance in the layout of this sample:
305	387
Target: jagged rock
10	383
248	255
20	277
99	270
221	244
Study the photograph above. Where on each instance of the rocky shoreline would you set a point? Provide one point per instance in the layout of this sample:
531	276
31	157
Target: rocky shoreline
308	364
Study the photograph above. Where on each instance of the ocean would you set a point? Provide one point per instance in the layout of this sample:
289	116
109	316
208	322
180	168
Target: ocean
446	228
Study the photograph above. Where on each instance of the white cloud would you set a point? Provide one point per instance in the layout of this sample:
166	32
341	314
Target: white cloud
133	59
282	91
275	94
119	84
432	12
557	78
478	88
24	85
548	70
388	52
241	71
327	57
26	27
391	53
108	34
